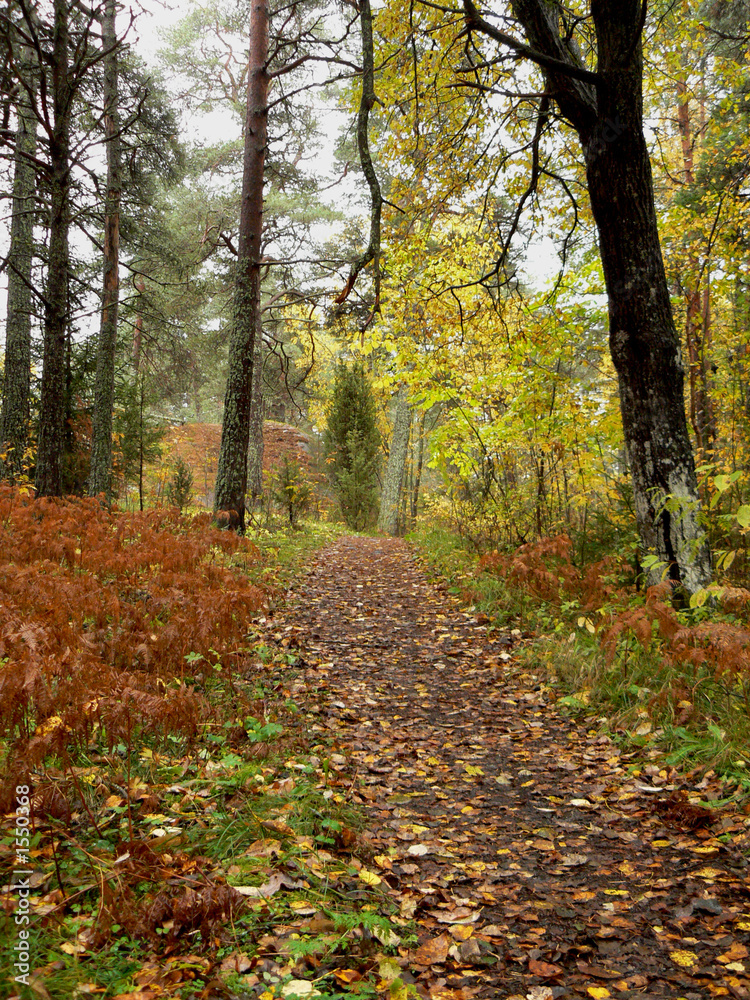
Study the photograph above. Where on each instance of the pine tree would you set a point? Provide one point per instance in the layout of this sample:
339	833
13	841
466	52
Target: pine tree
353	444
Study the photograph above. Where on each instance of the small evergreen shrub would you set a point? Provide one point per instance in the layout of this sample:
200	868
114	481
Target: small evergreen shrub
179	490
290	490
353	445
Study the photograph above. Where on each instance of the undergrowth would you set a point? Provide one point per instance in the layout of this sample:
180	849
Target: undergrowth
187	833
673	682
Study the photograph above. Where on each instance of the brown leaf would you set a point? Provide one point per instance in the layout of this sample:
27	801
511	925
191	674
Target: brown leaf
544	969
433	952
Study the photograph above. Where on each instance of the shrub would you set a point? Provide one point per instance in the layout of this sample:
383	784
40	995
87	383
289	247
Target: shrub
179	490
353	444
290	490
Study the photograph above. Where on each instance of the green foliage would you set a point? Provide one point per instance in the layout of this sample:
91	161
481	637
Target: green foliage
353	444
290	489
136	435
179	490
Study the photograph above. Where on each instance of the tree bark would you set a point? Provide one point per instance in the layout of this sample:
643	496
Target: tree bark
231	479
49	465
255	439
697	313
420	434
100	476
606	110
14	417
394	470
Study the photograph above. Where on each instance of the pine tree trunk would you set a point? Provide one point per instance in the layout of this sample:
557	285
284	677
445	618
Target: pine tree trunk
100	476
14	417
231	478
49	466
255	439
394	470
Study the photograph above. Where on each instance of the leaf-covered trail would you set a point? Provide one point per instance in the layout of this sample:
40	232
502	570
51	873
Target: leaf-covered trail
534	861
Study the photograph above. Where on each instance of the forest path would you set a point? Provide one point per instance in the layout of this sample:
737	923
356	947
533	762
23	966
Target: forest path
535	864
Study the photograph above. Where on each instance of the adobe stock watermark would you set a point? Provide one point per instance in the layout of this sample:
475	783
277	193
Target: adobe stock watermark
611	132
21	886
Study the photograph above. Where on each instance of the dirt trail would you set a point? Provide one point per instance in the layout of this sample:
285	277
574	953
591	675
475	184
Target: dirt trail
535	861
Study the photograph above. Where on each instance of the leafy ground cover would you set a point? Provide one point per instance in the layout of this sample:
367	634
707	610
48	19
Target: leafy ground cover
368	790
676	681
171	828
537	857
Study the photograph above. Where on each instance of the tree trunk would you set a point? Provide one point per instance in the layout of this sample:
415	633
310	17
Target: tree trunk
606	110
231	479
394	470
49	466
255	439
140	286
414	503
644	343
100	476
14	418
697	316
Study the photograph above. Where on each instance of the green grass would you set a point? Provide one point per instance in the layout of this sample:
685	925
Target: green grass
287	552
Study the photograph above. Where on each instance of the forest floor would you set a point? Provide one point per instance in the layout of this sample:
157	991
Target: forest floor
536	859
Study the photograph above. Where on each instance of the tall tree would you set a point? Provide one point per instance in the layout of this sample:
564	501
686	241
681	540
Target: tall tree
14	417
605	108
394	470
231	477
255	431
100	476
49	468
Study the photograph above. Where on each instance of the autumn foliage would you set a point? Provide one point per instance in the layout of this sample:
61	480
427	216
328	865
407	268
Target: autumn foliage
105	614
717	647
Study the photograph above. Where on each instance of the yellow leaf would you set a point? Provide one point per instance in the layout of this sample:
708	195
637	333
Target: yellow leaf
347	976
368	877
389	969
598	992
686	959
72	948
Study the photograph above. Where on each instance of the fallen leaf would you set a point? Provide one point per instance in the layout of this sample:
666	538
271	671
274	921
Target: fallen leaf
418	850
433	952
368	877
686	959
299	988
276	882
545	969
